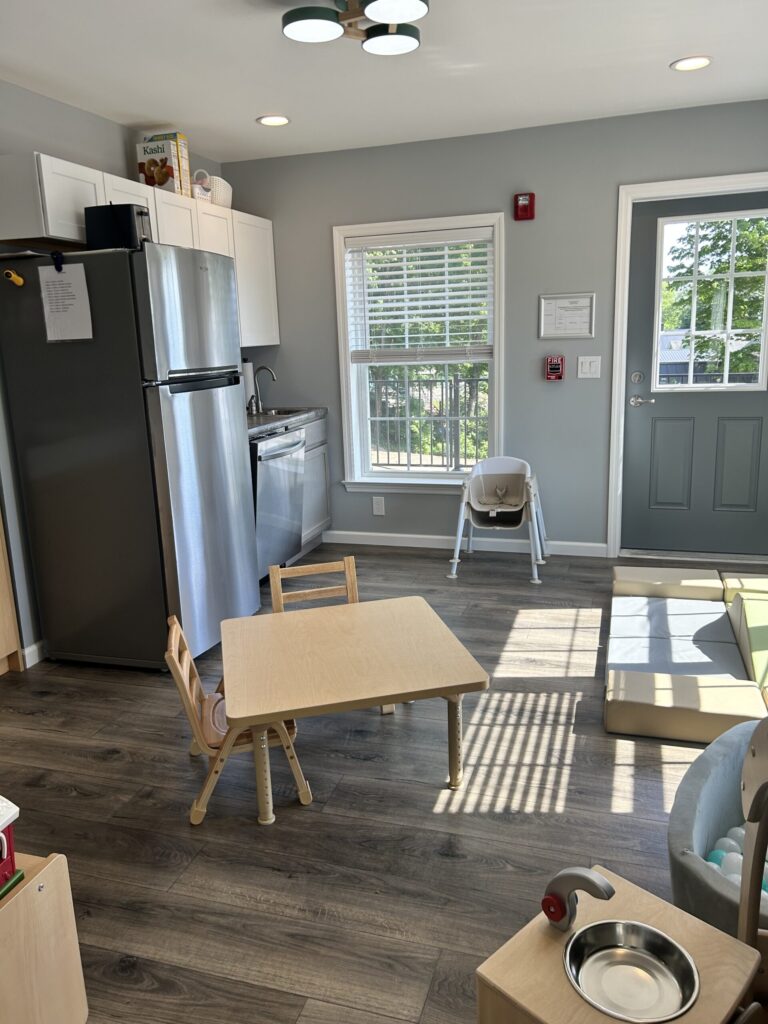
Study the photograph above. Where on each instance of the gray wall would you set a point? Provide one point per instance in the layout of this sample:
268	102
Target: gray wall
575	171
30	122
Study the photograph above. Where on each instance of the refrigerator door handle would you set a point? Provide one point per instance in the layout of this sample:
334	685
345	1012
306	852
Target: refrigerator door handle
202	371
228	381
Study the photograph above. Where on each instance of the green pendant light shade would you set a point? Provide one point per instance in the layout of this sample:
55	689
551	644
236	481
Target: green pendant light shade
391	40
312	25
395	12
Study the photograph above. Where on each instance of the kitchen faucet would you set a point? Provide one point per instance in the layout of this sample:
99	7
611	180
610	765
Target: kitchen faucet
257	371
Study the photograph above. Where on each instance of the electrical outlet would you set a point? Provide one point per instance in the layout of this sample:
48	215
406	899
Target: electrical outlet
378	507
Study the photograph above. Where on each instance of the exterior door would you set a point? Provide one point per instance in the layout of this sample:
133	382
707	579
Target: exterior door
696	418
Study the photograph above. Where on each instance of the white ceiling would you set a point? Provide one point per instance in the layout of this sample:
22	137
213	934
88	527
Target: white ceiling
210	66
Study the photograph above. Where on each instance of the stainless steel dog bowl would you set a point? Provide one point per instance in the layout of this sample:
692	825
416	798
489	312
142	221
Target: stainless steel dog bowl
631	972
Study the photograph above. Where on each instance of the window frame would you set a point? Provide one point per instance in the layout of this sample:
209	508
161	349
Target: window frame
690	388
354	407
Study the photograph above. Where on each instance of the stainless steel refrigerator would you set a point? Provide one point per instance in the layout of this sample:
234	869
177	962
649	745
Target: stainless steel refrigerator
132	454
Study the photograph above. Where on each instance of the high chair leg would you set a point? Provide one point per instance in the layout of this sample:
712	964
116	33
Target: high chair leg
305	793
532	539
457	548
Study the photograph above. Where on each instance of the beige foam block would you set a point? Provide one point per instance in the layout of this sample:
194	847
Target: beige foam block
697	709
751	582
676	581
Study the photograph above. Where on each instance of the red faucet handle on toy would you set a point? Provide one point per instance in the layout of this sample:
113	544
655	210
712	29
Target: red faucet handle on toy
560	900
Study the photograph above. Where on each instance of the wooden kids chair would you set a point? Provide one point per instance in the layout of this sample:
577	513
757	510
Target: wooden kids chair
208	719
348	589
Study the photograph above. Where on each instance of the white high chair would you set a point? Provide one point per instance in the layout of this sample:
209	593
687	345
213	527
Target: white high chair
501	493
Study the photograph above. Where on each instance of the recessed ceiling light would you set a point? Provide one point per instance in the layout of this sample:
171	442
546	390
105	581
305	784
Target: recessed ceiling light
390	40
691	63
312	25
273	120
393	12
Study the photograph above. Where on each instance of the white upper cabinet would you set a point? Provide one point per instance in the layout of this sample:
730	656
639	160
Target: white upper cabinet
256	283
43	197
176	219
123	190
214	229
67	189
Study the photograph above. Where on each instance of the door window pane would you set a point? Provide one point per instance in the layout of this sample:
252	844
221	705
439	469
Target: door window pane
744	362
751	245
679	249
748	302
674	357
714	256
676	305
709	359
711	305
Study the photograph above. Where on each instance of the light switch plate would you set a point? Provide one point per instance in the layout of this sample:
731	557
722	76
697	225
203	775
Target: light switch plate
378	507
589	367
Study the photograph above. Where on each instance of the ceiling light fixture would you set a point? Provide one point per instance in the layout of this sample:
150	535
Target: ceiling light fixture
390	40
273	120
691	63
390	34
312	25
394	12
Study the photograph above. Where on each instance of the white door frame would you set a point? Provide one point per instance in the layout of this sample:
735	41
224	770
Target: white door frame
684	188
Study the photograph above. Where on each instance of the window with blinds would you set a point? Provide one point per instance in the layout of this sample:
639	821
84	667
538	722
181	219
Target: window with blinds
418	347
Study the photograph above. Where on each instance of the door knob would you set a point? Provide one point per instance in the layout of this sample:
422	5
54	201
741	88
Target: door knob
637	400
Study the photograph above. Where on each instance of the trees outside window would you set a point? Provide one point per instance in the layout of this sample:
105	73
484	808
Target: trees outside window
712	304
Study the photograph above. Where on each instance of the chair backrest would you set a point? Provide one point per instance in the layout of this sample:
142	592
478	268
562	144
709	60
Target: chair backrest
185	675
500	464
348	589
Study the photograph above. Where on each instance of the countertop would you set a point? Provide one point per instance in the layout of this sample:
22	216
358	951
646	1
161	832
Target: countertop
277	422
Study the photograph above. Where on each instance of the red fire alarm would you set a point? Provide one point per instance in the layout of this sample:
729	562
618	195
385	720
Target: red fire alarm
554	367
524	206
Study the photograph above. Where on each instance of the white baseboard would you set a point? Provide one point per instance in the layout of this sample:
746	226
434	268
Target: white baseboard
426	540
33	654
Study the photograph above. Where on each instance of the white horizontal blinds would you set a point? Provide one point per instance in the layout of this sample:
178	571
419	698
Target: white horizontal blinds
424	297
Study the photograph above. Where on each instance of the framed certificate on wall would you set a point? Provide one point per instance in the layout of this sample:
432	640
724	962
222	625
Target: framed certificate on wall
568	315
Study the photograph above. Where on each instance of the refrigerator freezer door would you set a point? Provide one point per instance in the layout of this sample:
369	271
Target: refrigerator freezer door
187	303
207	521
83	462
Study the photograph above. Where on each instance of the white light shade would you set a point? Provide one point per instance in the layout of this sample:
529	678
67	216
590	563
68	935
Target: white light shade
393	12
273	120
391	40
691	63
312	25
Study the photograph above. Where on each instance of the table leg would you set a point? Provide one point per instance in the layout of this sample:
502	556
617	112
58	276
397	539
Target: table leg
263	776
455	769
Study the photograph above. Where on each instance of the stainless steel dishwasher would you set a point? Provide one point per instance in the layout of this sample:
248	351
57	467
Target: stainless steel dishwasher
277	463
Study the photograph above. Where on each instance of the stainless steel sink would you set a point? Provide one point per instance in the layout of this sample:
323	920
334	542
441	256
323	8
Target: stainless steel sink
631	972
283	412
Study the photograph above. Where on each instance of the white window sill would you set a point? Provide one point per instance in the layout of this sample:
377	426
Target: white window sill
406	485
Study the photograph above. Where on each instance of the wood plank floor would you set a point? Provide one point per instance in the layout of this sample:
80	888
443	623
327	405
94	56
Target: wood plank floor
375	904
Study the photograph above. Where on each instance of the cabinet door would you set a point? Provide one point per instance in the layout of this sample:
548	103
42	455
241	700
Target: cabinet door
123	190
316	509
214	229
256	284
66	190
176	219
